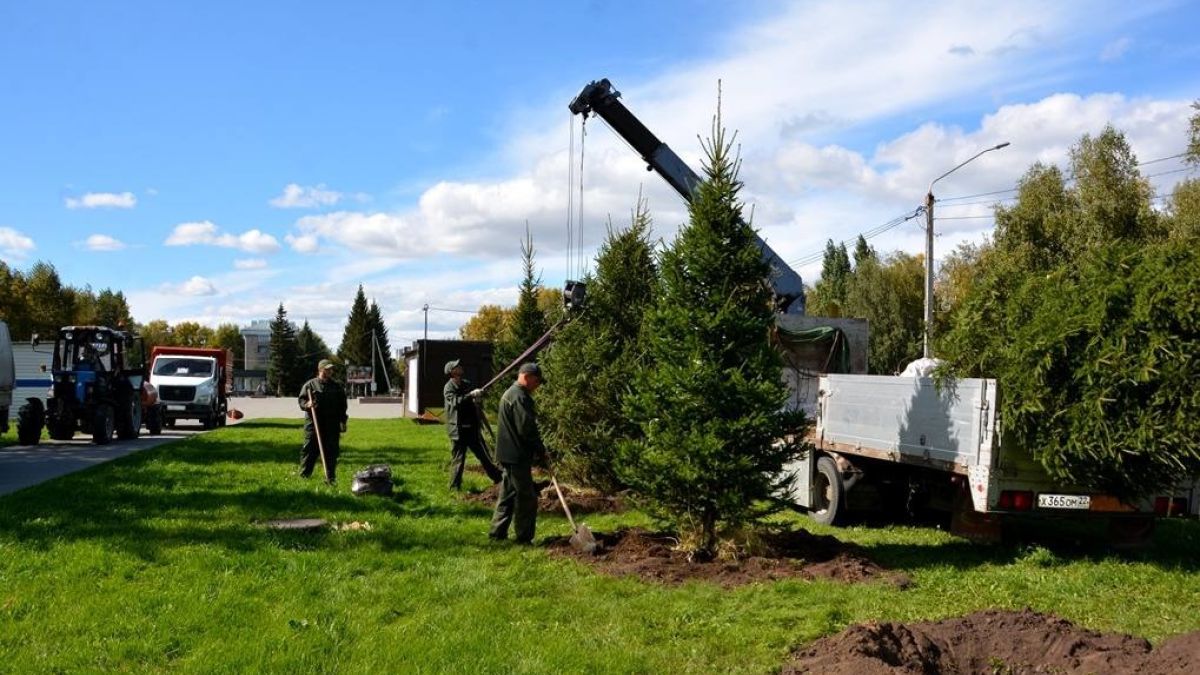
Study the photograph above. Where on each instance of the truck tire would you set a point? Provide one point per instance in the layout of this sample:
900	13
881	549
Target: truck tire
102	424
829	494
169	422
154	420
129	418
30	419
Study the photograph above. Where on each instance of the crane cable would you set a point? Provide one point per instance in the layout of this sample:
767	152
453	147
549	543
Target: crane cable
579	220
570	195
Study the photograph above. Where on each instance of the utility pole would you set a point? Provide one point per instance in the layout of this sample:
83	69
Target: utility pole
929	200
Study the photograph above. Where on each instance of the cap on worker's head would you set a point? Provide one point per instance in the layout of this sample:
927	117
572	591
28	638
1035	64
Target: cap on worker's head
325	363
532	368
451	365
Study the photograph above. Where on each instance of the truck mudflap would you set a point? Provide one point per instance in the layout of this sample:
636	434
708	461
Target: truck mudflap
992	494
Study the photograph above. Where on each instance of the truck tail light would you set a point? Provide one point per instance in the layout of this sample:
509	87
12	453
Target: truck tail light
1167	506
1015	500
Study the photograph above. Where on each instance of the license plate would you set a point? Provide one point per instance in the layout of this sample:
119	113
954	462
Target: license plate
1064	501
177	407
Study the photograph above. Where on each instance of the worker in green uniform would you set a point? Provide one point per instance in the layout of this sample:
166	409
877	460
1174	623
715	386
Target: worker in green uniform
462	424
518	448
328	406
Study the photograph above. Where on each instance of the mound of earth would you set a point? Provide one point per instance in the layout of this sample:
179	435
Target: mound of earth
578	499
992	641
797	553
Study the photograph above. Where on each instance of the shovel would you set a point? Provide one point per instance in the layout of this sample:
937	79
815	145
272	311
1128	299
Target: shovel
312	410
582	540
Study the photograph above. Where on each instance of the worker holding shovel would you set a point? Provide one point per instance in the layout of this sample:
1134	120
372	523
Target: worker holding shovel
519	447
324	401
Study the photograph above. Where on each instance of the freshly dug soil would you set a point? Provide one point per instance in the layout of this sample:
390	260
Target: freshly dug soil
580	500
797	553
992	641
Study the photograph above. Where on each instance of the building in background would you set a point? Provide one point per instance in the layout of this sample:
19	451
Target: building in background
423	384
252	378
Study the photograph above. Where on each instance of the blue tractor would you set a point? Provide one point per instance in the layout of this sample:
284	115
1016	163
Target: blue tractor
97	386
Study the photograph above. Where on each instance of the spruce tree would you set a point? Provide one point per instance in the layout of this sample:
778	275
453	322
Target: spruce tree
356	338
528	320
711	406
383	362
310	349
863	252
281	369
594	358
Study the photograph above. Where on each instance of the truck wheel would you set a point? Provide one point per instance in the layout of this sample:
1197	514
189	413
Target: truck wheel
169	423
30	418
102	425
828	493
154	422
1130	533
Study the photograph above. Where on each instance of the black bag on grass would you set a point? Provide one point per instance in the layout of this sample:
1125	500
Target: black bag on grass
373	480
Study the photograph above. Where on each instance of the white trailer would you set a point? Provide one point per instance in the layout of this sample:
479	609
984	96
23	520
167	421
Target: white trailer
893	440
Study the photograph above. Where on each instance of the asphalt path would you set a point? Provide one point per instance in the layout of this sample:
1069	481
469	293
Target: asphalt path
24	465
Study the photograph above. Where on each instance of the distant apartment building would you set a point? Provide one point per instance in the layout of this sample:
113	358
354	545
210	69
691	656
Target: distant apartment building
253	376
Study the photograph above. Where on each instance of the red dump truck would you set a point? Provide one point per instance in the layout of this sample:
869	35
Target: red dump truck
192	383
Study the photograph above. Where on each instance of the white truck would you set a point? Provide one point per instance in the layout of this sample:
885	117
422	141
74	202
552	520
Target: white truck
192	383
896	442
8	376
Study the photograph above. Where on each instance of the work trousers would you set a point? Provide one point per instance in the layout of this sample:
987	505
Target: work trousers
469	439
517	502
310	454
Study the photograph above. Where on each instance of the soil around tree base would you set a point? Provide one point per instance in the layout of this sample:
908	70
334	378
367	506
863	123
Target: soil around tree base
992	641
793	554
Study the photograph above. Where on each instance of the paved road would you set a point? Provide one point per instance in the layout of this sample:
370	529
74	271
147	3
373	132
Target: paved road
288	409
24	465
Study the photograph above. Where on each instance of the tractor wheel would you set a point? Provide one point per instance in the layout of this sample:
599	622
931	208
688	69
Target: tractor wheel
102	424
129	418
30	418
154	421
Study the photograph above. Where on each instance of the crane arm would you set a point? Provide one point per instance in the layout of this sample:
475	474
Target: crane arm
599	98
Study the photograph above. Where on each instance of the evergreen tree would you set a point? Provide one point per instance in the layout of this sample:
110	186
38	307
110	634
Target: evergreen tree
310	349
528	320
710	407
49	304
282	367
595	357
355	349
383	362
112	309
863	252
829	295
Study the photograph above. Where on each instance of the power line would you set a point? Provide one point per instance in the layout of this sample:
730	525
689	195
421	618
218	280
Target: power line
868	234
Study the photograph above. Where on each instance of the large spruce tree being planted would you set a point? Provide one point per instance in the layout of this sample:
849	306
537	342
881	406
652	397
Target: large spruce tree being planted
710	406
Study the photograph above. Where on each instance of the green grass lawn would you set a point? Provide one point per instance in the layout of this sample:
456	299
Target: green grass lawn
154	563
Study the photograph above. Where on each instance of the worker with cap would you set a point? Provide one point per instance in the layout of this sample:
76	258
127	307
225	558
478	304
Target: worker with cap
462	424
324	399
519	447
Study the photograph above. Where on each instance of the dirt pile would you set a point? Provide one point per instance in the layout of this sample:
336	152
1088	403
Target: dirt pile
797	553
992	641
580	500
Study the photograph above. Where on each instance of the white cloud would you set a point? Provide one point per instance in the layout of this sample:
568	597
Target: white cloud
13	244
103	242
96	200
304	243
305	197
207	233
250	264
198	285
1114	50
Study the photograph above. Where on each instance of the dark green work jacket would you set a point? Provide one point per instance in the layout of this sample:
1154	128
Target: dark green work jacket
330	398
518	440
461	416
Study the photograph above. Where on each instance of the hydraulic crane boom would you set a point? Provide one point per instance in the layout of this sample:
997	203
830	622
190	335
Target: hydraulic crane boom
601	99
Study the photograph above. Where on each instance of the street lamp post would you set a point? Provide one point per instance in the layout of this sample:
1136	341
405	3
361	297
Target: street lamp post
929	200
424	343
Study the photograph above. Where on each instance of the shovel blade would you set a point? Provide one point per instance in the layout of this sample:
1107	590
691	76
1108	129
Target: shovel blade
583	540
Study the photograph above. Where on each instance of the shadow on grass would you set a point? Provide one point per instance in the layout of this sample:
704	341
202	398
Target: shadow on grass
157	500
1176	546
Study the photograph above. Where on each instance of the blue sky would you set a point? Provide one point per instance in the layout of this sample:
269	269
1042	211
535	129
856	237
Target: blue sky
149	147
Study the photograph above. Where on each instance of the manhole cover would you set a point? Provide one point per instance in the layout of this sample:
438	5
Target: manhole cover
296	524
